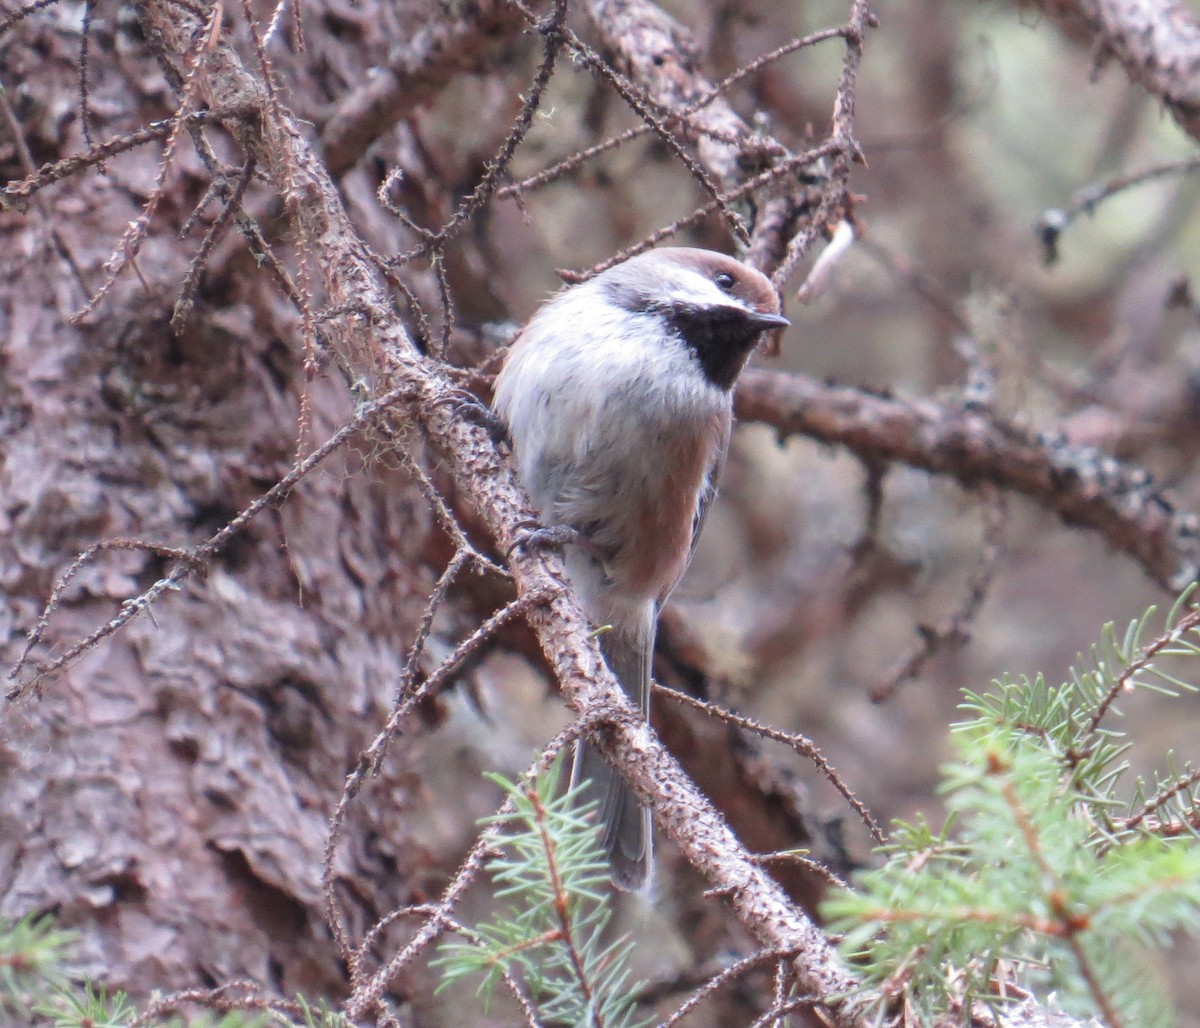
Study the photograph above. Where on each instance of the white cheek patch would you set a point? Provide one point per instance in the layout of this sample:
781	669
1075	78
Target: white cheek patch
685	286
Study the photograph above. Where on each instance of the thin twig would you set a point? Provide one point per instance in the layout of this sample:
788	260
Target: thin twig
196	557
800	745
1055	221
726	975
955	632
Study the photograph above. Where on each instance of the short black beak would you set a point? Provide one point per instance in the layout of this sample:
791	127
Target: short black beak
766	321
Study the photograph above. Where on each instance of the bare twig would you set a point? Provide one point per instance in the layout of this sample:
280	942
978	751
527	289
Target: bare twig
21	13
796	742
127	249
230	996
568	164
955	632
724	977
1054	222
554	35
191	281
26	158
452	43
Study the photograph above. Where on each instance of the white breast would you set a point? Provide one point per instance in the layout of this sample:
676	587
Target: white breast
615	431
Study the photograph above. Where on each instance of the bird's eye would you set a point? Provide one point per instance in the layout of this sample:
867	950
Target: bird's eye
724	280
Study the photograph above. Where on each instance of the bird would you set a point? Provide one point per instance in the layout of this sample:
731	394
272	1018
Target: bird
617	401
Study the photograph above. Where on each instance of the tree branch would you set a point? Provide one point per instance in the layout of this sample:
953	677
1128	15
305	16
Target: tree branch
1156	41
413	76
1083	486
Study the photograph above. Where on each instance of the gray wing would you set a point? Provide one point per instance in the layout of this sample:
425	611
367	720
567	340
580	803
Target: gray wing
709	492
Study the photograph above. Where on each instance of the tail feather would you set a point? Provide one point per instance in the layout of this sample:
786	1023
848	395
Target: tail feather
626	825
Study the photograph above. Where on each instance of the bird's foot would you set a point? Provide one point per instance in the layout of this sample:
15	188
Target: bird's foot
466	404
545	537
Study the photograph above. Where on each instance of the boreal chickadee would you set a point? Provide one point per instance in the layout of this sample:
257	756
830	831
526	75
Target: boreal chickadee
617	397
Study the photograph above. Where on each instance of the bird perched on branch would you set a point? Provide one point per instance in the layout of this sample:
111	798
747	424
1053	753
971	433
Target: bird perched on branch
617	398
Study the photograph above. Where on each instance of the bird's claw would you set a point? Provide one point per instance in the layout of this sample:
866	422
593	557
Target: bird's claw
466	404
545	537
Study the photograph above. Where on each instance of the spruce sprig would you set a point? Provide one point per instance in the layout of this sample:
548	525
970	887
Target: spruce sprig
89	1006
33	953
1044	878
547	937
